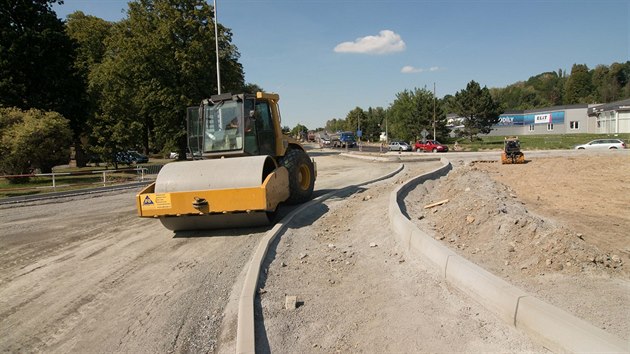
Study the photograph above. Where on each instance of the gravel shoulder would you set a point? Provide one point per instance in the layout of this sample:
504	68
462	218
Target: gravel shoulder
356	291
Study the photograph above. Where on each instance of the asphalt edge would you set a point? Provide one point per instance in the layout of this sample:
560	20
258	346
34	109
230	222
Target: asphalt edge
555	329
245	331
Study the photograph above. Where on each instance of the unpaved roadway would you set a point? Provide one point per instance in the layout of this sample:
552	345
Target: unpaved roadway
85	274
88	275
357	291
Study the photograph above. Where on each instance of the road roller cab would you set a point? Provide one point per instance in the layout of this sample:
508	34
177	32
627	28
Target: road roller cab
247	168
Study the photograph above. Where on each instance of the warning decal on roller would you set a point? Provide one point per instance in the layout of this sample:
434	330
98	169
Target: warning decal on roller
156	201
147	201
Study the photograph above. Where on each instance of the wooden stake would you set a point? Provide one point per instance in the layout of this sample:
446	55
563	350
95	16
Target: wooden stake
436	204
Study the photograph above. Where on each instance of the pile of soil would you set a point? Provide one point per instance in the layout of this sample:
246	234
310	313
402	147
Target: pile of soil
534	235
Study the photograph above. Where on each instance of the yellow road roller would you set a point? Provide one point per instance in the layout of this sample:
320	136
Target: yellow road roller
512	151
243	167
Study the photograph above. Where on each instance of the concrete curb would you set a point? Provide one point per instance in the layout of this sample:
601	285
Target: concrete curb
390	158
554	328
245	331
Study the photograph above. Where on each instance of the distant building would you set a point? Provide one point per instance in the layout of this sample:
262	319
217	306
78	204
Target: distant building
611	118
570	119
608	118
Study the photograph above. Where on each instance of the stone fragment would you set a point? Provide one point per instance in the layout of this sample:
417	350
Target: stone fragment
302	255
290	302
373	244
470	219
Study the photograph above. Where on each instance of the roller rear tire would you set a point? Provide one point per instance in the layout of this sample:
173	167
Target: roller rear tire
301	175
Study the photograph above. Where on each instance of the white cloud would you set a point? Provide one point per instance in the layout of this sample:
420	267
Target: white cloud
386	42
408	69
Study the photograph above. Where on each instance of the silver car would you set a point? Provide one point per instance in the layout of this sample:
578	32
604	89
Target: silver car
399	146
602	144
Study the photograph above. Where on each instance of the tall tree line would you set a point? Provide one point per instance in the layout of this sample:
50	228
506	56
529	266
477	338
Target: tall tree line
122	85
601	84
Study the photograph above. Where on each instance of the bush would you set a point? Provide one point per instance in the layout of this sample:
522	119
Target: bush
31	140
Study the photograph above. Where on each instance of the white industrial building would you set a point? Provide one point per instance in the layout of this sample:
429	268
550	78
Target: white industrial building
609	118
570	119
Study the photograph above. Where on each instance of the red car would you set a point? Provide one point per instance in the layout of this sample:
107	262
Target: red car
430	145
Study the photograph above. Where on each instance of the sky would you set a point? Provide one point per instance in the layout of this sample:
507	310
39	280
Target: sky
326	57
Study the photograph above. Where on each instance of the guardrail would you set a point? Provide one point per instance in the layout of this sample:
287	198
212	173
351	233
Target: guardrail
55	177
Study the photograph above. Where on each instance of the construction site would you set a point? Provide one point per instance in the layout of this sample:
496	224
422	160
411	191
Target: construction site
85	274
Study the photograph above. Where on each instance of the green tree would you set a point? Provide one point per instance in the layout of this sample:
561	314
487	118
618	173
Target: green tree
335	125
412	112
478	108
32	139
90	34
252	88
375	123
36	62
355	119
160	60
299	131
578	87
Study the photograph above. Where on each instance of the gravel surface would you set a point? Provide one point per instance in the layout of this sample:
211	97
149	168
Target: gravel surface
355	291
85	274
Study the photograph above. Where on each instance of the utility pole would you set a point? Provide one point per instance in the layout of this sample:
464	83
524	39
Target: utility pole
216	43
434	137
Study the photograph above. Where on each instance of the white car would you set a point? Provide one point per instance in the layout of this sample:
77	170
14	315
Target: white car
603	144
399	146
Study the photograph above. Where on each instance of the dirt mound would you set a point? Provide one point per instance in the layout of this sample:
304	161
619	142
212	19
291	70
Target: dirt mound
561	245
485	221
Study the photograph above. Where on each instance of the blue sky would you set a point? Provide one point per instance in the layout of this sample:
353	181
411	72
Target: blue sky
326	57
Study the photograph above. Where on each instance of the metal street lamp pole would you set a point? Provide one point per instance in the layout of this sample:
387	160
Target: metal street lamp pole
434	137
386	133
216	43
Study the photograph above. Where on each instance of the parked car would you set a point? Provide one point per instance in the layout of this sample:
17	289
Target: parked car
131	157
399	146
602	144
430	145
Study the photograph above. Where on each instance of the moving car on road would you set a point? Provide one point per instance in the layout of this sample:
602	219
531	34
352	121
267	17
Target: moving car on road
602	144
430	145
343	139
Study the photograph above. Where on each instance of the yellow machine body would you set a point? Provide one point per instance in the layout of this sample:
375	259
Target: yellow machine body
265	197
512	153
